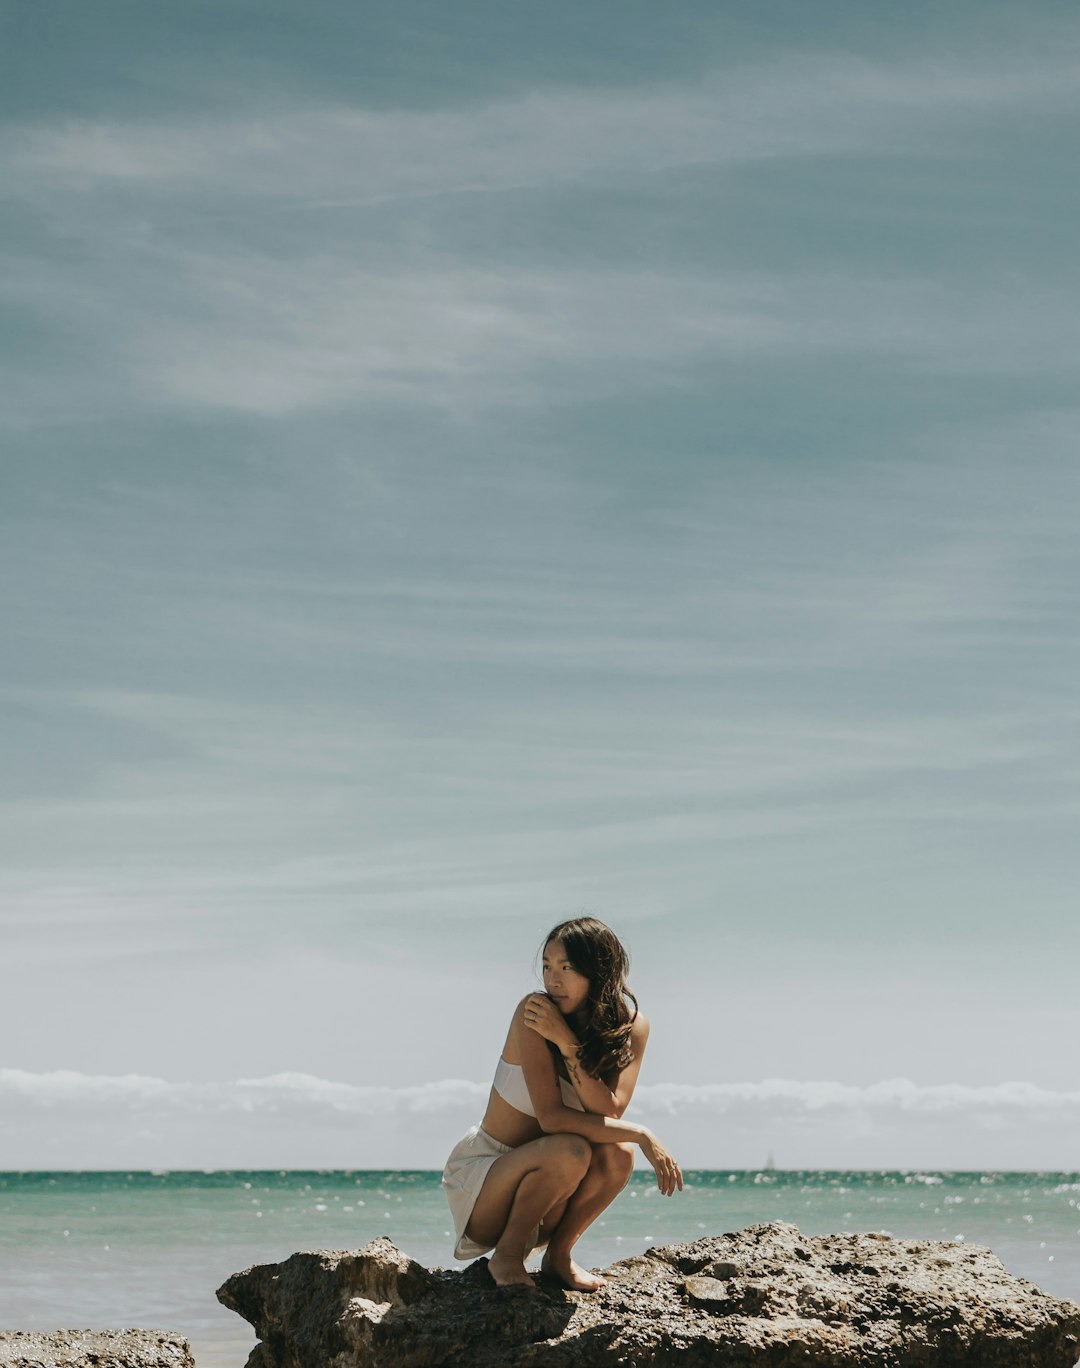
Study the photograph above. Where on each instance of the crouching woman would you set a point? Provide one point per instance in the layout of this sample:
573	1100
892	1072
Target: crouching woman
552	1151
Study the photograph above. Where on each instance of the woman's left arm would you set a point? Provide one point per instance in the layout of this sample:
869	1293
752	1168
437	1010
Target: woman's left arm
542	1016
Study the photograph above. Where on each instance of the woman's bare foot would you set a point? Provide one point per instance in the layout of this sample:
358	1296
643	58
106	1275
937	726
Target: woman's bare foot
570	1274
506	1271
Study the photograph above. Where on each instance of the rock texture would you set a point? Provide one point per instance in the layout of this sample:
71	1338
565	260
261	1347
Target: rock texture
93	1349
767	1295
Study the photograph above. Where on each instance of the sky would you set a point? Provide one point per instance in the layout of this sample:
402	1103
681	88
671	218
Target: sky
468	466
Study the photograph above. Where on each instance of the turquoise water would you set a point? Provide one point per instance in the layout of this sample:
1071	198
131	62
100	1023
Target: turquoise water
116	1249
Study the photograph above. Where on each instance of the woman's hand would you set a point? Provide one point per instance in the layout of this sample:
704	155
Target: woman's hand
543	1017
668	1173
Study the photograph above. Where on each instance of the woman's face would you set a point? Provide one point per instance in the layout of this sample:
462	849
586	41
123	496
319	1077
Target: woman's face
562	982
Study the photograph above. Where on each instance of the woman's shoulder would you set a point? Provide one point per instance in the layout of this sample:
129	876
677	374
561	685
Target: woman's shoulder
639	1031
519	1010
511	1050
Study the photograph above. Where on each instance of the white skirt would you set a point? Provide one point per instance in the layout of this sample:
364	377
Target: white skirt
462	1179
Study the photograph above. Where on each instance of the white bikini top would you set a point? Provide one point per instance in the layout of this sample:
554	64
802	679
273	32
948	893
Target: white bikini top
511	1086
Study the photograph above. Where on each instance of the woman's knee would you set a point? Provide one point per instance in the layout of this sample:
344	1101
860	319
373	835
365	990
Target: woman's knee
570	1153
616	1161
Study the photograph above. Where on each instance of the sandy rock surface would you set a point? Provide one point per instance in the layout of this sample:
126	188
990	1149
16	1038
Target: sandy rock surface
94	1349
766	1295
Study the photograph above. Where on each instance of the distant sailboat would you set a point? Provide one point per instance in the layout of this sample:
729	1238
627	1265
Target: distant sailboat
770	1163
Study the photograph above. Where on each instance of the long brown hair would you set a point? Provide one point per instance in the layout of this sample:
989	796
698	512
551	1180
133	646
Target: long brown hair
595	951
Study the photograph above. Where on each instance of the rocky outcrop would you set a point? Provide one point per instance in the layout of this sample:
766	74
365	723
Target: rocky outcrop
767	1295
93	1349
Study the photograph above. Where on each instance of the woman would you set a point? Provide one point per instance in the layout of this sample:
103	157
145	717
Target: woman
552	1151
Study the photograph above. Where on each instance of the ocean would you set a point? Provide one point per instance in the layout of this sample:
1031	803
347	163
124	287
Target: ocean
148	1249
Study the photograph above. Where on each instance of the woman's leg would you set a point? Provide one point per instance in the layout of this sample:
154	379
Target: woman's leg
520	1190
608	1174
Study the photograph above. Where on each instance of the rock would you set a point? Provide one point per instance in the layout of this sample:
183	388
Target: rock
94	1349
706	1289
839	1301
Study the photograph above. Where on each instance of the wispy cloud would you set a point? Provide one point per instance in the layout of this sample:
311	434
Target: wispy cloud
313	335
183	311
335	156
536	786
255	335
